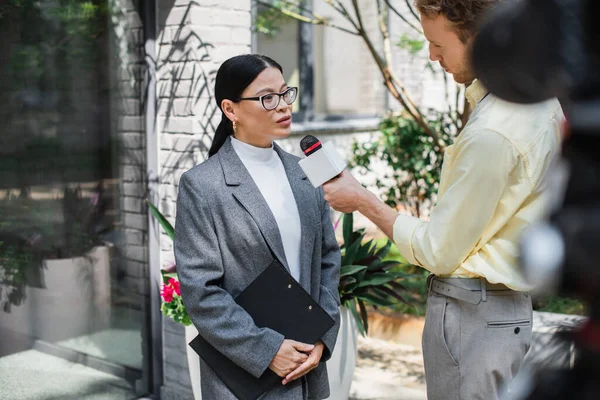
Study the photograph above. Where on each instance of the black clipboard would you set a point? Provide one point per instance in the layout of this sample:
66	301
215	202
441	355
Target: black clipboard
277	301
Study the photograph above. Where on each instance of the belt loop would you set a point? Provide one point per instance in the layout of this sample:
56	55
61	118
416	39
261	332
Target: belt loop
430	283
483	290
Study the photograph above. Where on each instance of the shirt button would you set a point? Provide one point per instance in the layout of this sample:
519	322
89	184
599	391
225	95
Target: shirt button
517	330
310	307
290	286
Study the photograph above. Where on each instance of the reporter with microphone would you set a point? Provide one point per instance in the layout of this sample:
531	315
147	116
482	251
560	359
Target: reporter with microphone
479	313
246	205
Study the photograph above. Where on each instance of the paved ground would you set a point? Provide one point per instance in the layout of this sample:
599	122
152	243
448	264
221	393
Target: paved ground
388	371
32	375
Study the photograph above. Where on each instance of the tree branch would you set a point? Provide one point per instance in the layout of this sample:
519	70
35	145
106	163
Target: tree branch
402	17
385	33
412	10
315	20
339	7
414	110
394	86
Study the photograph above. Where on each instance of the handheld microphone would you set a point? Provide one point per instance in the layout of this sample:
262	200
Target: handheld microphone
322	162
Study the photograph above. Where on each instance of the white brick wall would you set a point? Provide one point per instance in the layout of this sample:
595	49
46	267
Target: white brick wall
127	106
194	38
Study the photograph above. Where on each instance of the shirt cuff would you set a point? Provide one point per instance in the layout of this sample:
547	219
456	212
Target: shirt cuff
404	227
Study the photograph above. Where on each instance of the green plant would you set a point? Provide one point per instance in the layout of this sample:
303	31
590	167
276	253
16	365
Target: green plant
366	277
414	160
172	305
68	29
34	230
560	305
14	265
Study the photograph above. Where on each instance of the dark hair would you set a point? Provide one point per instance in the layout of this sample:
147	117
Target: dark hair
233	77
465	15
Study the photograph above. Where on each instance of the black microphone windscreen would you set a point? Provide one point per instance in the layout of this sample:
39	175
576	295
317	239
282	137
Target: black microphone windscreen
309	144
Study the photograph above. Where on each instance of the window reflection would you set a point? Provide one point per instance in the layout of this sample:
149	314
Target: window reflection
66	277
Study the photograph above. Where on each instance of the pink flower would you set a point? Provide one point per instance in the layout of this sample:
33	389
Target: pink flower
167	293
175	285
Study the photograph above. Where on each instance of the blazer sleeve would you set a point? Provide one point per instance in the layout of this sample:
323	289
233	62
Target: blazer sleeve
329	297
218	318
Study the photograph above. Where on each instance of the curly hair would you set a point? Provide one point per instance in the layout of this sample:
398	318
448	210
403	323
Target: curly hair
465	15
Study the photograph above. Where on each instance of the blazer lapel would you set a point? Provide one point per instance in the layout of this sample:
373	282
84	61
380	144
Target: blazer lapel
306	200
247	193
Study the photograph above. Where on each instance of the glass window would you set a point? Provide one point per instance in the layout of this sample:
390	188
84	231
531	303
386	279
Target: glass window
72	222
346	80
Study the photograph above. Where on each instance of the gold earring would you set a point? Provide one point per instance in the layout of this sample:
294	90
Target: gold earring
234	127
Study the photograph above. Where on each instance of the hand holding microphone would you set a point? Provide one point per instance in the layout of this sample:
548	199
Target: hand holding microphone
322	165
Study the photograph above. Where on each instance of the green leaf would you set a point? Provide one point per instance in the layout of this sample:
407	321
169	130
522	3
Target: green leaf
398	286
378	279
345	282
363	250
391	264
361	275
374	263
384	250
382	266
364	316
394	294
359	324
168	275
351	269
162	220
347	229
350	254
351	288
376	300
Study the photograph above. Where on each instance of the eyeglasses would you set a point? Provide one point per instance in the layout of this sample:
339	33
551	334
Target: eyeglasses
270	101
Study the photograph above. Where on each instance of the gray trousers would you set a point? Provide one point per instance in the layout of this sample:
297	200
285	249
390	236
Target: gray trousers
474	340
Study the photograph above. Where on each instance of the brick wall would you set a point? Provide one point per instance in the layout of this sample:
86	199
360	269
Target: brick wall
128	65
194	38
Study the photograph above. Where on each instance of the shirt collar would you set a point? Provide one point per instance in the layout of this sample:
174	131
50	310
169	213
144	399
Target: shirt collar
257	155
475	93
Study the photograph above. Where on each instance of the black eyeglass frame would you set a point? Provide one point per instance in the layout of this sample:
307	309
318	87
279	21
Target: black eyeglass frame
280	95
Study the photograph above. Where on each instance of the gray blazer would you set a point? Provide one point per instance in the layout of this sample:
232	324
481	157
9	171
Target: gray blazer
219	250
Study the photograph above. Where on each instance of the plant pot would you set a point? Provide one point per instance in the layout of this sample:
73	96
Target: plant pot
193	361
75	299
342	363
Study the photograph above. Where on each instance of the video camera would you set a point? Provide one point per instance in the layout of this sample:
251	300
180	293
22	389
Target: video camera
529	51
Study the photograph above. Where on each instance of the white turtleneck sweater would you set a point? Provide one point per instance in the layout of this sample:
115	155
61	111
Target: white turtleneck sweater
267	171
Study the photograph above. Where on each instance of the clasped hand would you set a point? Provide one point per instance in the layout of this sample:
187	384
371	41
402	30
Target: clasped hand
296	359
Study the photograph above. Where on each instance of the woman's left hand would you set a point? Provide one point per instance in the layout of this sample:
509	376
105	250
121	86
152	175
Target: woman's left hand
313	362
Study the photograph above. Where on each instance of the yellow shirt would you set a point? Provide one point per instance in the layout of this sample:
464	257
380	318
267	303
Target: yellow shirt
490	190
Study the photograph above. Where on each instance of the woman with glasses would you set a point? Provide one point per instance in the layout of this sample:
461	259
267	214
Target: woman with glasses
247	203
